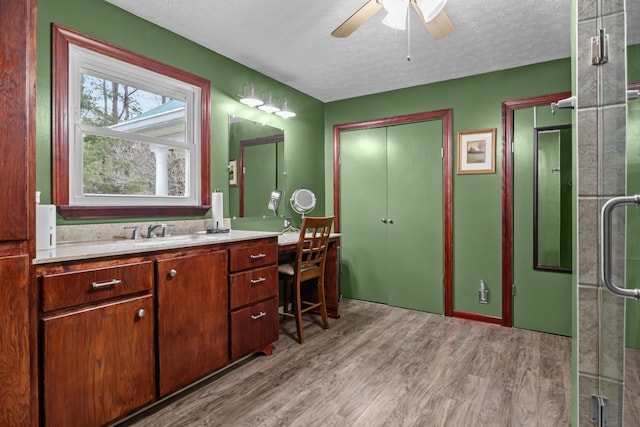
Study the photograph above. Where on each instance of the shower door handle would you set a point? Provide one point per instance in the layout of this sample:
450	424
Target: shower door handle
605	245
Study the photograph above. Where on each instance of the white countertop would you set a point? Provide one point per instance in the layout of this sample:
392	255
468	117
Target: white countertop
85	250
293	236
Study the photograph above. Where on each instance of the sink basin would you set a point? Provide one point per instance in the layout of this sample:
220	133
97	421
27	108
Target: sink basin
173	240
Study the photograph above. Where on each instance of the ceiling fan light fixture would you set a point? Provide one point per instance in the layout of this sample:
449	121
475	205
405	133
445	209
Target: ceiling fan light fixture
250	98
269	107
284	111
396	13
431	8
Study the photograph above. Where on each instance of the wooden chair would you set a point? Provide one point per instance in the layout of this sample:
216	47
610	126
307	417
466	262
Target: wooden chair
308	266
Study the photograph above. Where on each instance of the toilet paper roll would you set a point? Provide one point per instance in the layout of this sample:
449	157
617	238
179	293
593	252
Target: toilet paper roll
217	211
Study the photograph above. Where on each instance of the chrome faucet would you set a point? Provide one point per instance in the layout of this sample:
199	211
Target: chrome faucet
151	232
135	234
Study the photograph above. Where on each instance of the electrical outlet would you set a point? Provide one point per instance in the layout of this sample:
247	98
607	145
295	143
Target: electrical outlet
483	296
483	293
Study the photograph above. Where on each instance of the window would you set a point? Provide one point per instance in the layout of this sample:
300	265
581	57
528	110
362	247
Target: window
131	135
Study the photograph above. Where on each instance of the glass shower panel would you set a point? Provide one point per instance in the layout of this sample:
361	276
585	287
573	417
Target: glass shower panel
632	315
619	164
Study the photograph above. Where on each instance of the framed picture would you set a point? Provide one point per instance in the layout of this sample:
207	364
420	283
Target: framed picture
477	151
233	173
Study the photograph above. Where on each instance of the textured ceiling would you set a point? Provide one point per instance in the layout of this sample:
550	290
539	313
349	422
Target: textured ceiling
290	41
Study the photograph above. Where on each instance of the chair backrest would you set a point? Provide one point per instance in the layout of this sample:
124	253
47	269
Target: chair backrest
312	243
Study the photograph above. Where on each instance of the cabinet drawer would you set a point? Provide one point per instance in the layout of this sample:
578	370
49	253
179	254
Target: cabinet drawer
253	285
251	256
78	287
254	327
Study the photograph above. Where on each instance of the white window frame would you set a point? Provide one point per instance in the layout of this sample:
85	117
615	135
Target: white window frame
84	60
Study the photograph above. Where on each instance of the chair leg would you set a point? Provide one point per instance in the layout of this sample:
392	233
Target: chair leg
298	312
285	290
323	304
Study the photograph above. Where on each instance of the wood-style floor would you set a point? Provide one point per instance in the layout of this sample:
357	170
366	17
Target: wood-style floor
384	366
632	388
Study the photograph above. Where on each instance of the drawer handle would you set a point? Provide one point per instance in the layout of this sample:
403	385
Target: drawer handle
113	282
257	256
262	314
260	280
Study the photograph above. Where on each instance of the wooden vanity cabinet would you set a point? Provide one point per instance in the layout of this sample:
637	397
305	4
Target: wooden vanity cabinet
193	336
18	350
120	333
253	302
97	341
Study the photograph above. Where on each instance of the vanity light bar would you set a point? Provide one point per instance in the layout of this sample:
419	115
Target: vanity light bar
284	111
252	100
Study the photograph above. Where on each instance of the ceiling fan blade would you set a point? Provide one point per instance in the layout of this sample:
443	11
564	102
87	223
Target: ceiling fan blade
440	26
354	22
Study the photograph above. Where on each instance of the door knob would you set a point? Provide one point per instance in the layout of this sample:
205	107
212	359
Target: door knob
141	313
172	273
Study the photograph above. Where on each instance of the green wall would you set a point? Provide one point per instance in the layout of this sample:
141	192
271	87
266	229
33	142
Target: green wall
476	103
633	224
632	330
97	18
477	217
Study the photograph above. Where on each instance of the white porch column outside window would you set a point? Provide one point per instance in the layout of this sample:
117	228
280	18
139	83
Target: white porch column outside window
162	170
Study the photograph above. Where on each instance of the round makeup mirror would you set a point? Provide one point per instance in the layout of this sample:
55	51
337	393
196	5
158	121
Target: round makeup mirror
303	201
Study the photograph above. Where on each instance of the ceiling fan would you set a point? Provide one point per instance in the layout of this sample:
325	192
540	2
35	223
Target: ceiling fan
431	13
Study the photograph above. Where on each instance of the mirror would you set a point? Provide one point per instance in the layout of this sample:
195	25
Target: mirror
552	198
258	151
303	201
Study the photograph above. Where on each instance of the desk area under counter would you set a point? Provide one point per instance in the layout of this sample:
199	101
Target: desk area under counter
161	314
287	247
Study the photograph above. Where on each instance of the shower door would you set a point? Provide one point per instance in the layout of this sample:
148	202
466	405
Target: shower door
608	168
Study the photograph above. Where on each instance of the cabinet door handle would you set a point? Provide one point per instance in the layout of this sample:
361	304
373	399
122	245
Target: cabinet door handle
172	273
141	313
390	221
257	256
262	314
260	280
384	220
96	285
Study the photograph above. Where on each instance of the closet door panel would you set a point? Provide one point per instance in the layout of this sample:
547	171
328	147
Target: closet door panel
543	298
415	250
363	202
